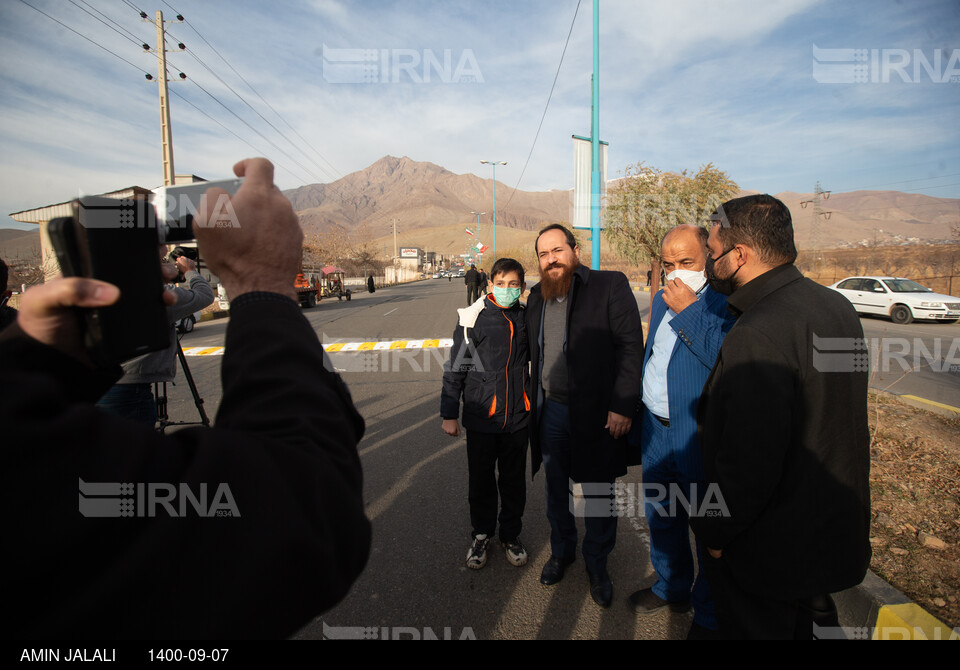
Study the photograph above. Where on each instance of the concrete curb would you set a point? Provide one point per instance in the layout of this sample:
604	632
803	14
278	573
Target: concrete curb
875	610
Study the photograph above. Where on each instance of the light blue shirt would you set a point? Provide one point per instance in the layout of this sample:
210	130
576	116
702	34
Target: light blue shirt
655	373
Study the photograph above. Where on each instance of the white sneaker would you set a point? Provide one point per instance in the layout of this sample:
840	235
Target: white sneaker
477	555
516	552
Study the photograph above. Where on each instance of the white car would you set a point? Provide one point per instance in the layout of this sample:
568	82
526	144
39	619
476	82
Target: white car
903	300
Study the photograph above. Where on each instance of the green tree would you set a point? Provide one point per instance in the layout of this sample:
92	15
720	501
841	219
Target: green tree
647	202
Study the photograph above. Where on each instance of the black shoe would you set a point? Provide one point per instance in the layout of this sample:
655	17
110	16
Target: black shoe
601	588
553	570
648	602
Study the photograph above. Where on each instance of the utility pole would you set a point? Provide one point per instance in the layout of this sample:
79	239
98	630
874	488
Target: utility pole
818	194
165	130
396	249
166	133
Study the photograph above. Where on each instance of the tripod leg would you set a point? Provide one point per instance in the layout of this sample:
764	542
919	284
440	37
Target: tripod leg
161	399
197	400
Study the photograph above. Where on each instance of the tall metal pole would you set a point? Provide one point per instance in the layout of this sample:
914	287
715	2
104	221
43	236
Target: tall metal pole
494	164
165	130
595	143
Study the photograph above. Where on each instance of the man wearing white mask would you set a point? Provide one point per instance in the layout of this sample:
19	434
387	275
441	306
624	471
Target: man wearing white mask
688	321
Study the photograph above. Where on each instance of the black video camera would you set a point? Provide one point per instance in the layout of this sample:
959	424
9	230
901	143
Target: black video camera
119	241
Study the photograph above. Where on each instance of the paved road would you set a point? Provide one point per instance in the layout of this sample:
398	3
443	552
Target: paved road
415	485
921	359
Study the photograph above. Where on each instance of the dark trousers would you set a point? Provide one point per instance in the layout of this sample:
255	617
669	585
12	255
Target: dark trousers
742	615
497	462
665	466
601	525
131	401
472	293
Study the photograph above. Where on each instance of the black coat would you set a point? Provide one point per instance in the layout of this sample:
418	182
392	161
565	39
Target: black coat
783	428
472	277
490	372
284	442
604	354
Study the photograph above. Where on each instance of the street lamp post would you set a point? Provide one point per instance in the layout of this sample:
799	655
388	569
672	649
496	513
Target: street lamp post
479	214
494	164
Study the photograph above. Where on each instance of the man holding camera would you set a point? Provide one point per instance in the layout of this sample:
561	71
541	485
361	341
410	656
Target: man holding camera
132	396
289	535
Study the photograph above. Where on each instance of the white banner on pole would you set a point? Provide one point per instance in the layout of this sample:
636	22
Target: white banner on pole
582	169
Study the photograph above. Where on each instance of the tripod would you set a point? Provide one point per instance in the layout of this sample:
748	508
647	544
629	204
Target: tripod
160	393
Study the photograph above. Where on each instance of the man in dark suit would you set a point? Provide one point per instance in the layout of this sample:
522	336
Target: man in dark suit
783	425
586	347
688	322
472	279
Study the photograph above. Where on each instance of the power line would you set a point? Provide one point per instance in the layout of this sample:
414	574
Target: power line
262	99
256	150
126	37
84	36
244	101
177	94
242	120
547	106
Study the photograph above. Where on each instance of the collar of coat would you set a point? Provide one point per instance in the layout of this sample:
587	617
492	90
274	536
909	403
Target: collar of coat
760	287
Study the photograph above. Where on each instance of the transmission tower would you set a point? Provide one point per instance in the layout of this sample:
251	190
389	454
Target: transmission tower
818	195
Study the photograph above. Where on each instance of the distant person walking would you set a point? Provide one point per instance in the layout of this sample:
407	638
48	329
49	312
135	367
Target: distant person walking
472	280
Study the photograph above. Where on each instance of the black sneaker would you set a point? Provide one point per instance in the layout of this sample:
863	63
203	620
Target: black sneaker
516	552
477	555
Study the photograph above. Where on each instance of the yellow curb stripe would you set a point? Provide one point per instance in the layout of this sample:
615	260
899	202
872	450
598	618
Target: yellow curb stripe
203	351
949	408
909	621
345	347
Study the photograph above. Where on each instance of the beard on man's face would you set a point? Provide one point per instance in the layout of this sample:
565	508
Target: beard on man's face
555	280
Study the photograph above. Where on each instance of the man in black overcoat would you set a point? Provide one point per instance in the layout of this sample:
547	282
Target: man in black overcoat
586	350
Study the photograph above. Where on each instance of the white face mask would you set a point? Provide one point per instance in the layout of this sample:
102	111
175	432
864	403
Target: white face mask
693	279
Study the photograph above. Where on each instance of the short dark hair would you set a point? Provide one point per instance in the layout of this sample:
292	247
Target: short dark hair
3	276
571	240
760	222
505	265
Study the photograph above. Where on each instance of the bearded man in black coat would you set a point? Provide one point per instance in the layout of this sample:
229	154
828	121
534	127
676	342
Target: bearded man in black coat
586	348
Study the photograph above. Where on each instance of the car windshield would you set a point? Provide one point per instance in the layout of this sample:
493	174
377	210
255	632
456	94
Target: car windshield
905	286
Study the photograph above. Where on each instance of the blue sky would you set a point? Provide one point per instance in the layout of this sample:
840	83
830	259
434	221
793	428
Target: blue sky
681	84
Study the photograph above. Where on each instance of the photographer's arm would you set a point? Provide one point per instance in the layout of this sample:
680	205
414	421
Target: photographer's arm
193	299
281	463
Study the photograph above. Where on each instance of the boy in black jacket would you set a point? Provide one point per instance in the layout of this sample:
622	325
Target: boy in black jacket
488	367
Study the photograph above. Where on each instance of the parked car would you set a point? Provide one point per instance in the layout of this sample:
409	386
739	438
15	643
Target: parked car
186	324
903	300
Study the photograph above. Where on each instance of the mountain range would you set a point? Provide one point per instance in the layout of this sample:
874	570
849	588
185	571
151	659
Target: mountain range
431	206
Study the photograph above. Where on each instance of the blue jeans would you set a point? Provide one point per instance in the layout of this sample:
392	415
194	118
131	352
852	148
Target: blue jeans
131	401
601	531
